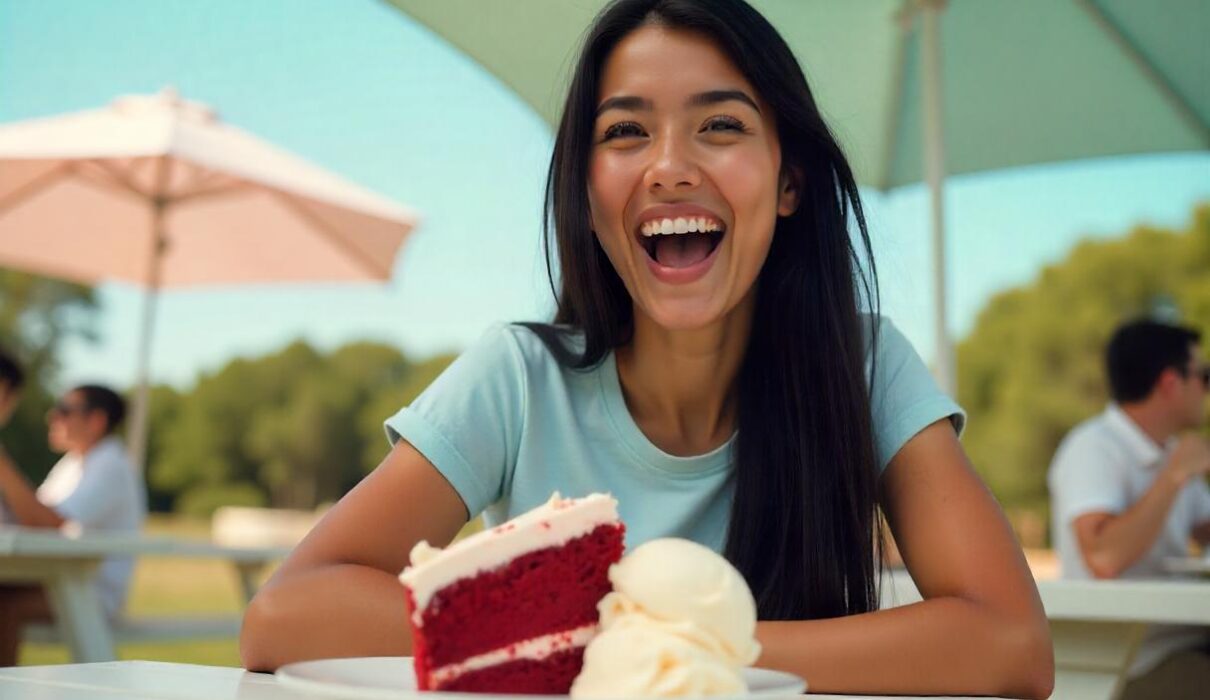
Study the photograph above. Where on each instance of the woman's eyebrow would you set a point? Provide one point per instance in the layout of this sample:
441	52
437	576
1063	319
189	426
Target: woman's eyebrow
702	99
712	97
627	102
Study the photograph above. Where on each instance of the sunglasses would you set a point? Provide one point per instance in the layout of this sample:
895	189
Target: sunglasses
63	409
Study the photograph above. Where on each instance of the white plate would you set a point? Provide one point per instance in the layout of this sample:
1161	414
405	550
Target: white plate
392	677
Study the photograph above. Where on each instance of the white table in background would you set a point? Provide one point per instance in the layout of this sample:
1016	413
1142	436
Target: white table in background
1097	625
1188	566
152	680
66	567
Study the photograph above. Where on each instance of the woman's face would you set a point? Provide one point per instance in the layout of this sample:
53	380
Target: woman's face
684	176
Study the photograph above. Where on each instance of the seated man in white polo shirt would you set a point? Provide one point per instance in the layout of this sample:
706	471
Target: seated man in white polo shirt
94	487
1128	489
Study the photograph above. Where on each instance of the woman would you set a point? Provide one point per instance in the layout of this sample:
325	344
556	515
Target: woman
721	382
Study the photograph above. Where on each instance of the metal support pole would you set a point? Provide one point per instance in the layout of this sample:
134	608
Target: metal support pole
142	399
934	170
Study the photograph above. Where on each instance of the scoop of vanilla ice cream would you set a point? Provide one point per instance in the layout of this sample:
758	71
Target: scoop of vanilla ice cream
680	622
687	589
636	661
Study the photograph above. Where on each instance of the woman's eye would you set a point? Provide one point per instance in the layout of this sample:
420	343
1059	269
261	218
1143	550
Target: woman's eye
623	130
723	124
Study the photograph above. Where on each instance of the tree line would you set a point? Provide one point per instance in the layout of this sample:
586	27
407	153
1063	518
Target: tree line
293	429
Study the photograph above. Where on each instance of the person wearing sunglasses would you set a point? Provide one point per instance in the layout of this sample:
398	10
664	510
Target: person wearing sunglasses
94	487
1128	488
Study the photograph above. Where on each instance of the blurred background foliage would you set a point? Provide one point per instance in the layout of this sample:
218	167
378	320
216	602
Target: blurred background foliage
299	427
296	428
36	314
1033	365
293	429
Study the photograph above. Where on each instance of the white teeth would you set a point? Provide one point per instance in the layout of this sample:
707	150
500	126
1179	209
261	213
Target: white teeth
664	227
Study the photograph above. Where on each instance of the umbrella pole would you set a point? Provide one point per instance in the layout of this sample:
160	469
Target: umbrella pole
142	398
934	169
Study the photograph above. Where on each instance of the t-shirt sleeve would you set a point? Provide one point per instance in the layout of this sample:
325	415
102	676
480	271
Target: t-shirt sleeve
904	398
1084	479
100	492
468	422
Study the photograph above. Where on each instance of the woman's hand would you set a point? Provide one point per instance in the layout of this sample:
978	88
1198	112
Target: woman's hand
338	593
1190	458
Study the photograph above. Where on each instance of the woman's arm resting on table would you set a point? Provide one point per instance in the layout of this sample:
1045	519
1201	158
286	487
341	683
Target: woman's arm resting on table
22	499
981	629
337	594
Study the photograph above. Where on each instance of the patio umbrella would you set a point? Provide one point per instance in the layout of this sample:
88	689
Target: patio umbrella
156	191
1012	84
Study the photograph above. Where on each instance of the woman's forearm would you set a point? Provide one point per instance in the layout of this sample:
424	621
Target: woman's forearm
22	499
943	646
334	611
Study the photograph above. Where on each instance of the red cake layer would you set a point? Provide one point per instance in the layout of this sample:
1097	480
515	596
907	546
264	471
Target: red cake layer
540	593
550	676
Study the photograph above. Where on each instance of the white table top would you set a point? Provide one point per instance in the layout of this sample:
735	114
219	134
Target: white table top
1188	566
1178	602
153	680
42	542
1156	601
142	680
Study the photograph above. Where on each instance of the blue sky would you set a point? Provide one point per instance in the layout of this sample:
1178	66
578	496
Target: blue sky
356	87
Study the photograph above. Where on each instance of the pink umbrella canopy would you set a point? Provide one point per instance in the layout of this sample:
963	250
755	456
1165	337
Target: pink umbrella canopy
157	191
77	193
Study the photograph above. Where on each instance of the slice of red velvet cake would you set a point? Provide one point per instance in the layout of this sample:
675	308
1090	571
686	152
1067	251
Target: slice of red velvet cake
510	610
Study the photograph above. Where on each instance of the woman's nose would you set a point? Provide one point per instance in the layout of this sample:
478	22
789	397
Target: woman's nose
672	166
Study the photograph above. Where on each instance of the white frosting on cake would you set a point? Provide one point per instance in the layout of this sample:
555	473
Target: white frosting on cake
552	524
534	649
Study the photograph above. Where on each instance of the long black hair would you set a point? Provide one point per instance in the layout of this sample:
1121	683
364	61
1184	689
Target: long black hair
803	528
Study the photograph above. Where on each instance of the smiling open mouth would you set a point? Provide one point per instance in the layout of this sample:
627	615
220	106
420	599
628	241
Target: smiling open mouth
680	243
682	249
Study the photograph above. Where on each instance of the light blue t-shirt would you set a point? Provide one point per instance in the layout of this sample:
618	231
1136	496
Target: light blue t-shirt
507	425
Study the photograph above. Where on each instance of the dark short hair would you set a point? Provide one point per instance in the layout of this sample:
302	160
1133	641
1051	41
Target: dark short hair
11	372
102	398
1140	351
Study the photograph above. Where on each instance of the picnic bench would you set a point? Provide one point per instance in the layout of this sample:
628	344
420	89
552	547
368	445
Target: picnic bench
66	566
